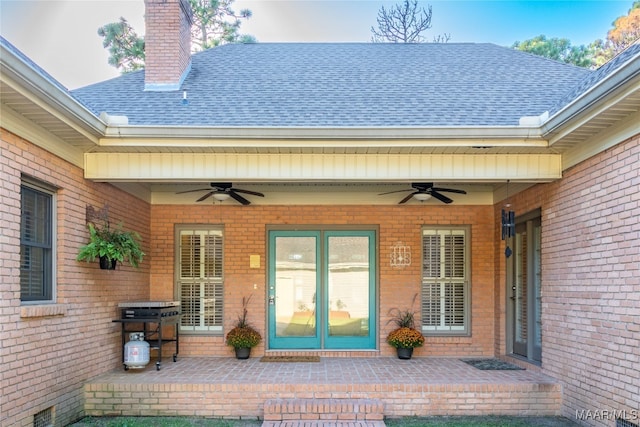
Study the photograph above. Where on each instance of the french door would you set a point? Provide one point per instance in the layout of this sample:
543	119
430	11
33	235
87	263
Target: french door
322	289
526	297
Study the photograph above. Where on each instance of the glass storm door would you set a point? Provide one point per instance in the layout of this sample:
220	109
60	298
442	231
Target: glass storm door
527	337
322	290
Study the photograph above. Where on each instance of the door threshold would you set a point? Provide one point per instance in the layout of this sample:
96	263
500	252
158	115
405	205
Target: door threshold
324	353
522	361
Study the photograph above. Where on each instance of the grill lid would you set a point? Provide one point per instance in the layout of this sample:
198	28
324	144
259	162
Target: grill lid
148	304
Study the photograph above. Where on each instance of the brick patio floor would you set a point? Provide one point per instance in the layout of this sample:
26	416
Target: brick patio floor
226	387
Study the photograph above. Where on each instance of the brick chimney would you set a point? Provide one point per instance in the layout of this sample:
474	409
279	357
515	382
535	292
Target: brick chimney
167	44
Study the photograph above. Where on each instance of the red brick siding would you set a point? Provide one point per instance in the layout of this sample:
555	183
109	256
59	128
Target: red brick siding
590	281
247	401
591	285
49	352
591	294
246	233
167	41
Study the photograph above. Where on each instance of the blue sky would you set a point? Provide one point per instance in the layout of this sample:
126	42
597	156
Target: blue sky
60	35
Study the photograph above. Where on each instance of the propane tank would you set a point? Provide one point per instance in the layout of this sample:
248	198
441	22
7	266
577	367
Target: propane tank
136	351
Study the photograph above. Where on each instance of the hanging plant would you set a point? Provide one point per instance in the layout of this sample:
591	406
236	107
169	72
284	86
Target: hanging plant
111	245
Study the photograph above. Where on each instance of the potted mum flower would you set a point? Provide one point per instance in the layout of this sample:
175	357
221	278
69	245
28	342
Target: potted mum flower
243	337
405	337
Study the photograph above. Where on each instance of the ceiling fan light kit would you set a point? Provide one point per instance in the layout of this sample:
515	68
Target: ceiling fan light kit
221	197
421	196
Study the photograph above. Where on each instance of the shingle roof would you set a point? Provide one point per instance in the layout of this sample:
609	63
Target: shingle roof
346	85
592	79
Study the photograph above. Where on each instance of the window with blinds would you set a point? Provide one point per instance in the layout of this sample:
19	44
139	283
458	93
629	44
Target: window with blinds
36	244
445	281
200	279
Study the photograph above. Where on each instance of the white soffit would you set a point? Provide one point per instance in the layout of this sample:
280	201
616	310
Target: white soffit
347	194
31	131
172	167
605	139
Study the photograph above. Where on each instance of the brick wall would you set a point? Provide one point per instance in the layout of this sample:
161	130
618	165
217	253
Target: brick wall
49	351
246	401
591	294
167	41
590	282
245	234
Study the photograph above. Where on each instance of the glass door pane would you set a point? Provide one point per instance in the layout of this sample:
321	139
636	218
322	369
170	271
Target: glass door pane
293	289
536	312
348	282
350	296
521	269
527	327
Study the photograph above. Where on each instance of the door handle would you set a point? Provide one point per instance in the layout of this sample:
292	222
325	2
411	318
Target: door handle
272	300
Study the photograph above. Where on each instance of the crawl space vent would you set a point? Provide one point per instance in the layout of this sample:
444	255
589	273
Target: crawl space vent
625	423
43	418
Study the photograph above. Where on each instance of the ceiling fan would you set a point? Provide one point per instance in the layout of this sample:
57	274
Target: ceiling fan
221	191
424	190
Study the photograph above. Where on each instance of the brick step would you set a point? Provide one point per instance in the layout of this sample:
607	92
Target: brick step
323	423
323	412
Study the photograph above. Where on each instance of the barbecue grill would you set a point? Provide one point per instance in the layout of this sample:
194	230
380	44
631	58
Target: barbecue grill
152	316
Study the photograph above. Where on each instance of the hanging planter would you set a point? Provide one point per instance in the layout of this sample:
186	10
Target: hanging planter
107	264
111	245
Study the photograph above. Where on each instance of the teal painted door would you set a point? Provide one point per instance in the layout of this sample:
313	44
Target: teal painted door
322	289
294	282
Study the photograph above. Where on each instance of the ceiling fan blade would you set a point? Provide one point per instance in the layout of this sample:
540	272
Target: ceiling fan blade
239	198
440	197
206	196
450	190
253	193
192	191
406	199
396	191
